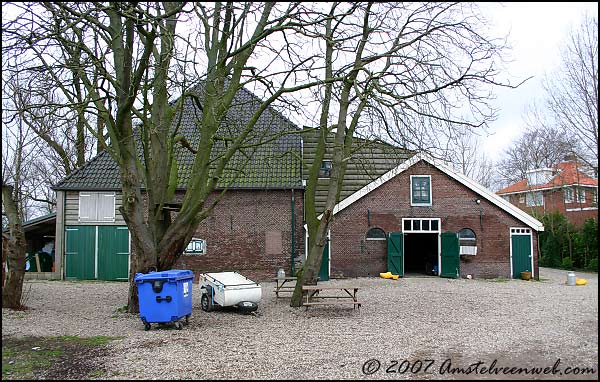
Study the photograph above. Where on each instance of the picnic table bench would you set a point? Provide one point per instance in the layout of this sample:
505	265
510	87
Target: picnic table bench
315	297
281	287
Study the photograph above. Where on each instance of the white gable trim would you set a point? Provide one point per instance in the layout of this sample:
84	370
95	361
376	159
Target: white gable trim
469	183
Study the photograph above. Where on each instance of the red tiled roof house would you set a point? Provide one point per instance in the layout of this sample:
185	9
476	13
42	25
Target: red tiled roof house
566	188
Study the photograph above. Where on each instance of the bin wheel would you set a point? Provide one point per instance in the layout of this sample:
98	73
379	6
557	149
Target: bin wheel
206	302
187	319
178	325
146	326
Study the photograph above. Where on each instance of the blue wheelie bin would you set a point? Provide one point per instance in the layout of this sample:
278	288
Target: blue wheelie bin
165	296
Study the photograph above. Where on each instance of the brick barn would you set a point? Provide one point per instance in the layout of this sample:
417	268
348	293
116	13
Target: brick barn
399	211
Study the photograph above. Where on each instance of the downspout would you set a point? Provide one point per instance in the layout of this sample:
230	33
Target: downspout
292	250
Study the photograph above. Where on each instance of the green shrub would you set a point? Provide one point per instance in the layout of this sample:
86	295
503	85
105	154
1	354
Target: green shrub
567	263
592	265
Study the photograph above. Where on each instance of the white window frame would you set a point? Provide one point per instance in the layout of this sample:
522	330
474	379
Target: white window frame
533	202
568	195
521	198
95	197
411	191
421	230
580	195
192	248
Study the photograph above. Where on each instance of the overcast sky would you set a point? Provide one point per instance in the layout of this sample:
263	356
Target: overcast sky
537	31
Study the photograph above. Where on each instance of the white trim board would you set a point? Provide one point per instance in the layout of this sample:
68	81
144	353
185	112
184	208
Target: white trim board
469	183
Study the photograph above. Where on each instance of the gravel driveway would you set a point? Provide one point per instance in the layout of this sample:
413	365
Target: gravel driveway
451	323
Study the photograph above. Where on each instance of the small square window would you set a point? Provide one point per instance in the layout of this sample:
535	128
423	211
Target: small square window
407	225
522	198
425	225
325	170
416	226
434	225
420	190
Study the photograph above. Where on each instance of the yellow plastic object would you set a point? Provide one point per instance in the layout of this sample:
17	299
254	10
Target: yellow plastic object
395	277
386	275
579	281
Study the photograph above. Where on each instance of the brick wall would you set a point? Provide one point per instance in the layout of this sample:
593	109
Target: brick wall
237	232
353	256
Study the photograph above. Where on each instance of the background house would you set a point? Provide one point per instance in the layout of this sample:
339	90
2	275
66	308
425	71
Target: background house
568	188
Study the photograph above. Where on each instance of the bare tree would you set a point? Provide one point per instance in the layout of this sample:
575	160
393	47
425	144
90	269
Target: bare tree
17	157
122	61
572	90
541	147
414	67
468	159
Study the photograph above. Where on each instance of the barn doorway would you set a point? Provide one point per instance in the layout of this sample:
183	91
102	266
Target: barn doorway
421	246
421	254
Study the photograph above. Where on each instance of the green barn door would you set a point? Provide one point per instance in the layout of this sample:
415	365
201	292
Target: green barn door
113	252
324	271
80	252
521	254
450	255
396	253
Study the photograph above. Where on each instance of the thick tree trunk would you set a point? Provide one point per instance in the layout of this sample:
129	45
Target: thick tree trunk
12	289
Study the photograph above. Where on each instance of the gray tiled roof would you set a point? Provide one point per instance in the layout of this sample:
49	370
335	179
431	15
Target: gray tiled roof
275	164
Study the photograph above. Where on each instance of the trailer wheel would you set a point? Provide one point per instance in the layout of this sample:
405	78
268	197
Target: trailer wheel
206	302
146	326
247	306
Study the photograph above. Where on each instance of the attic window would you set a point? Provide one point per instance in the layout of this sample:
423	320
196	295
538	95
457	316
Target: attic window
325	170
420	190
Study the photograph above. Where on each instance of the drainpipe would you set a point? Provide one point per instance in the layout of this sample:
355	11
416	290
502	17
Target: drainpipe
293	205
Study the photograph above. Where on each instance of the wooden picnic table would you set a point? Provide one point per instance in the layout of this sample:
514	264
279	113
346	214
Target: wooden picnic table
281	287
315	297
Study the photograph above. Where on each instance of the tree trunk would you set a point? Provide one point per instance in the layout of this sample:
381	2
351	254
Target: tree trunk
12	290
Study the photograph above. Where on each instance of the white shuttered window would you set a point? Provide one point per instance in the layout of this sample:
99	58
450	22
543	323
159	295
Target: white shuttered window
96	206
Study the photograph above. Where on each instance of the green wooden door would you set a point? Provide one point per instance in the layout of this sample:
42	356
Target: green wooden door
80	262
450	255
324	271
396	253
113	253
521	254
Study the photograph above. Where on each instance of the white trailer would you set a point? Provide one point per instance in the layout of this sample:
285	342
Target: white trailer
229	289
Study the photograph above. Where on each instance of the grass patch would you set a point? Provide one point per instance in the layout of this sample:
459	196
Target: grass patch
51	357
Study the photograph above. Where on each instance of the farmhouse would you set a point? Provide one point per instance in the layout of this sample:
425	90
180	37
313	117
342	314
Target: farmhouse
399	211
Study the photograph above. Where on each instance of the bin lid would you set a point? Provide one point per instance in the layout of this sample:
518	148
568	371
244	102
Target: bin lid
170	275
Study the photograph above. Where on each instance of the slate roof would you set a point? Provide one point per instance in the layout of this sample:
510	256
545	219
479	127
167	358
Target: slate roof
567	174
272	165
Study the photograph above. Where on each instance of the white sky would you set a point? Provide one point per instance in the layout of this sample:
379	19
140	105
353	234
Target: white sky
537	31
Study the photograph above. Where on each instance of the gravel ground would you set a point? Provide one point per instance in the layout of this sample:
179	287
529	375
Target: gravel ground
458	322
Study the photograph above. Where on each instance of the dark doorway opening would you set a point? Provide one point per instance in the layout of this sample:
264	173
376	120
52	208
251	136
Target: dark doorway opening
421	253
